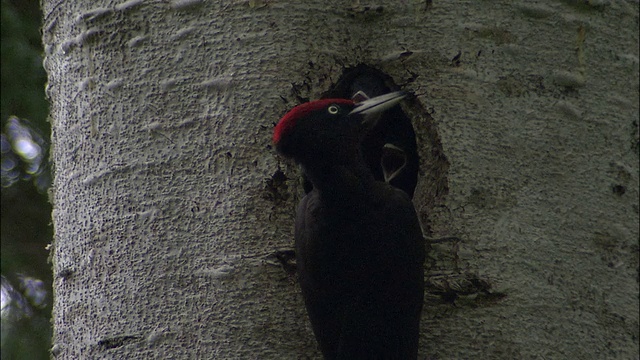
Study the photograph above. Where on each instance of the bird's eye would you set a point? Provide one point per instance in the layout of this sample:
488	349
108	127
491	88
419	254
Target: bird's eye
333	109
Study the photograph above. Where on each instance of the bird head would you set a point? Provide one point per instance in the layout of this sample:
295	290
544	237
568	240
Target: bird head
329	129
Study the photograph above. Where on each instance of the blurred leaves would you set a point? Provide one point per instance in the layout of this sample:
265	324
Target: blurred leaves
25	330
23	154
26	214
23	77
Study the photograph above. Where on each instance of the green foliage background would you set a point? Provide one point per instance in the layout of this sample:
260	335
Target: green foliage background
25	228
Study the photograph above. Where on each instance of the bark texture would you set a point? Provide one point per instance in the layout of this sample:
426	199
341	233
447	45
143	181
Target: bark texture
170	204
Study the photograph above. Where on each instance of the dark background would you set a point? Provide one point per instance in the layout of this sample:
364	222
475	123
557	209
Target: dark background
26	213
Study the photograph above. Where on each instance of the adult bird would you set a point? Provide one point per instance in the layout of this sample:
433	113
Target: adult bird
359	246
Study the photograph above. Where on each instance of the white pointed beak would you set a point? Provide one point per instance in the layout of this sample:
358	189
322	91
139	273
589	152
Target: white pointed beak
378	104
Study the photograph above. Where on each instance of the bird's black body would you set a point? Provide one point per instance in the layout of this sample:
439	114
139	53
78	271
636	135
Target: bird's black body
363	284
359	245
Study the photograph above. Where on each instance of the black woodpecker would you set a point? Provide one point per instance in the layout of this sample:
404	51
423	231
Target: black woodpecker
389	148
359	246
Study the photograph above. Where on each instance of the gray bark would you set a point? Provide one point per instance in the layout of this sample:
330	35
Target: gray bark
168	209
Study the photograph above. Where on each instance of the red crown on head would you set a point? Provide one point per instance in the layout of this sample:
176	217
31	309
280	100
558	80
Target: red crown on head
288	121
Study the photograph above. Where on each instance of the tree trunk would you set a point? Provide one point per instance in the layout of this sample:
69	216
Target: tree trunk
170	206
